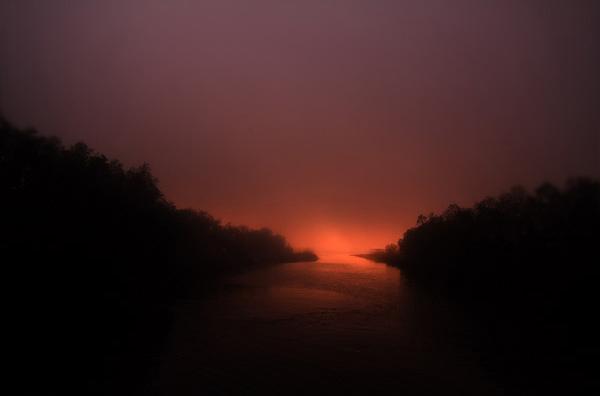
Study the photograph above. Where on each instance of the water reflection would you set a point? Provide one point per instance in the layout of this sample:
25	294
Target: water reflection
336	258
342	325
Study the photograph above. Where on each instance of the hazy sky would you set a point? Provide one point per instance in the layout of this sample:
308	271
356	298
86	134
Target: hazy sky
335	123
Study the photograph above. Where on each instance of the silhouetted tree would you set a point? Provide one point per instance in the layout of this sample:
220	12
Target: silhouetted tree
525	263
93	256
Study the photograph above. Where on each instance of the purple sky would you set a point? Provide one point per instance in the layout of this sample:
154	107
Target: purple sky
334	123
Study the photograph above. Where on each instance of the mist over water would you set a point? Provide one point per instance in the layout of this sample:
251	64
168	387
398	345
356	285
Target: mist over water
342	325
178	151
328	121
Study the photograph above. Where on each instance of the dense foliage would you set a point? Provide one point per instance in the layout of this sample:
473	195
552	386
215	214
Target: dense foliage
93	254
516	239
525	264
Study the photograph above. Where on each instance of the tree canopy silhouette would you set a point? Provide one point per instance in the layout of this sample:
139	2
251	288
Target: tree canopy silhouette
524	264
93	255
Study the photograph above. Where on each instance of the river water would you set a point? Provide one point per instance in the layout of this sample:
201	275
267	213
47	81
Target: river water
340	326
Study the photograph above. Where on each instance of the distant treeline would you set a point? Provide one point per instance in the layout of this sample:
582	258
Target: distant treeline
526	264
93	254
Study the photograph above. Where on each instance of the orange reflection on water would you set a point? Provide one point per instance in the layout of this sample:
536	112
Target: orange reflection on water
343	258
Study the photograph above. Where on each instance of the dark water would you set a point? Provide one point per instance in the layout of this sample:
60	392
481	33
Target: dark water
340	326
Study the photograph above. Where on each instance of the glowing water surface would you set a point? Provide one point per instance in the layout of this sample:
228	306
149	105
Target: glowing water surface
340	326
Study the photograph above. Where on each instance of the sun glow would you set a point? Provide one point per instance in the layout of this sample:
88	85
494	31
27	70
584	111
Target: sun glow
331	239
333	242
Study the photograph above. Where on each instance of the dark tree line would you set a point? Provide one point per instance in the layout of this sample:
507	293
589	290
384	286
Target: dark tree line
524	264
93	254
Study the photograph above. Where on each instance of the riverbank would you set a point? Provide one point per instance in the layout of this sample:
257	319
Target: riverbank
520	263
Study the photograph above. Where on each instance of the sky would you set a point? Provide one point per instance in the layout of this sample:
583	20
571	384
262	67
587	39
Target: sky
334	123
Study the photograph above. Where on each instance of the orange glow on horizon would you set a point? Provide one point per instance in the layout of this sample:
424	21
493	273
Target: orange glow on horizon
334	242
329	239
336	137
320	231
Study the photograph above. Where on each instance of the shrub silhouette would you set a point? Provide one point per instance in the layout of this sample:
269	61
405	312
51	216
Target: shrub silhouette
93	256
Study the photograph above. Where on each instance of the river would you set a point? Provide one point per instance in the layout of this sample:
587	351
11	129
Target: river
340	326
